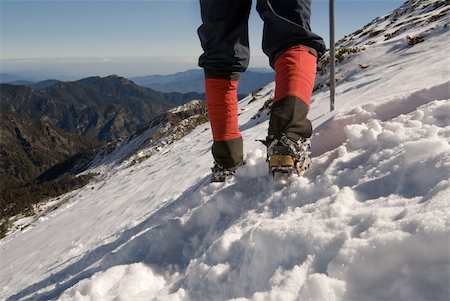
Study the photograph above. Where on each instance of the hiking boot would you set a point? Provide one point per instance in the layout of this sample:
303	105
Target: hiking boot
287	156
220	174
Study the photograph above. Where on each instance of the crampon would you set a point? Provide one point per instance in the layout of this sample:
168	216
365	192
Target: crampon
285	156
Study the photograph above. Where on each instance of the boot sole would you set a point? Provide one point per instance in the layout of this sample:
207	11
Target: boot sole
280	161
281	164
285	164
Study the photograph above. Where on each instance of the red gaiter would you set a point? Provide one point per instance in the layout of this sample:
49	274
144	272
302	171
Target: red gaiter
222	103
295	73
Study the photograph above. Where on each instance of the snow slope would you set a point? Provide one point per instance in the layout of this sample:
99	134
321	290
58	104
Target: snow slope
369	220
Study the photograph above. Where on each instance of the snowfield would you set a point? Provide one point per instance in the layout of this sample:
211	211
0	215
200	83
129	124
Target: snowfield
369	221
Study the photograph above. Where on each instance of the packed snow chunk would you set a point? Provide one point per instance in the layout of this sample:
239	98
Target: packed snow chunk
254	165
285	284
322	287
362	135
343	202
230	237
125	282
439	114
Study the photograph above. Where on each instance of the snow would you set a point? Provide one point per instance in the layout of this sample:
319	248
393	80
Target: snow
369	221
132	282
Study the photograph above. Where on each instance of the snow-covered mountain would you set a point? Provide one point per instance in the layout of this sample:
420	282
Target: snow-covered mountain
369	221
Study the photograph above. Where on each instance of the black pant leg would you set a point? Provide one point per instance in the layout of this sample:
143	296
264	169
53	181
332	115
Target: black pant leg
224	35
287	23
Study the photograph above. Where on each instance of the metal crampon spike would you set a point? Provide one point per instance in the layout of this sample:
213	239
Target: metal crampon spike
287	156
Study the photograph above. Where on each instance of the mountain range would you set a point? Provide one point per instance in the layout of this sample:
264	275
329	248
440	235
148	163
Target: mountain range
183	82
193	81
103	109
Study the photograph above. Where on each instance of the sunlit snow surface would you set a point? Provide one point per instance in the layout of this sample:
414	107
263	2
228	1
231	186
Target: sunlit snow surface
369	221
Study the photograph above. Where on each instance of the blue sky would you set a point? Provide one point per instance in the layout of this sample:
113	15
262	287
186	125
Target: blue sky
130	38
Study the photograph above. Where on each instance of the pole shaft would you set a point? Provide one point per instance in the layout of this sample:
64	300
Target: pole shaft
332	57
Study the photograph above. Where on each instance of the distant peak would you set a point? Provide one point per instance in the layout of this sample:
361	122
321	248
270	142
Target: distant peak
116	77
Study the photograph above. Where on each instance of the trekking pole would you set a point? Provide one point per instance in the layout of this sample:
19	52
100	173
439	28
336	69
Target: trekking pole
332	58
